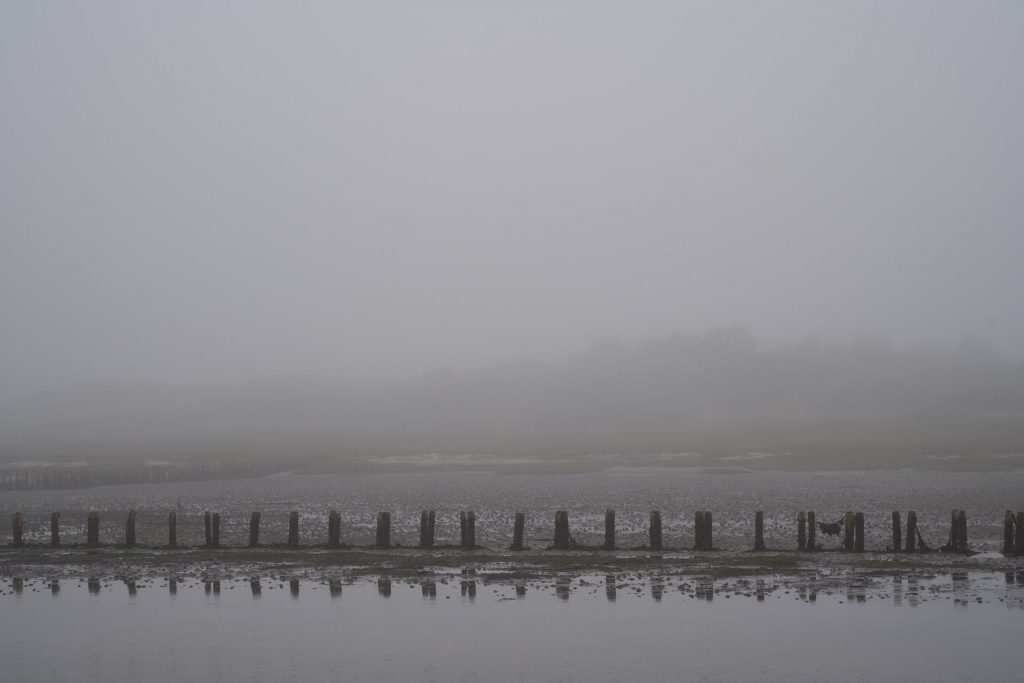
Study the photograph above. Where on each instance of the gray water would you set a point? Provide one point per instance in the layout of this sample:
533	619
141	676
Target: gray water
398	632
676	492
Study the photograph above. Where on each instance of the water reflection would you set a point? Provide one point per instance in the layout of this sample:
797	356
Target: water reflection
293	586
94	586
334	587
172	588
132	590
520	590
54	587
255	587
562	587
657	588
610	589
759	590
19	585
468	589
384	588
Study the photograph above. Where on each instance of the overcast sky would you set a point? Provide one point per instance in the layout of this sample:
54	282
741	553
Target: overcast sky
216	191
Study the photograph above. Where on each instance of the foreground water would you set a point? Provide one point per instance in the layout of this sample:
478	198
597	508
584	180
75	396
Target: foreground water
597	629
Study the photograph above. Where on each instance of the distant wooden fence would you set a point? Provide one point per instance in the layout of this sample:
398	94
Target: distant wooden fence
850	528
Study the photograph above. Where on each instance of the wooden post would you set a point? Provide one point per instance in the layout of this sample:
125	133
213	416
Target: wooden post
92	534
129	530
293	529
954	542
698	530
1008	532
708	540
1018	543
848	532
897	535
254	529
518	527
911	539
655	530
333	528
759	530
467	529
609	529
858	532
961	524
18	529
172	529
426	529
801	530
215	537
812	530
55	529
383	529
563	541
208	528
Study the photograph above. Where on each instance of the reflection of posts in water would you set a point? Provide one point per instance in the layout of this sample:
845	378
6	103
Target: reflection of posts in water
657	588
655	530
468	589
759	590
562	587
132	590
172	587
429	590
334	588
293	586
255	588
609	530
384	588
520	590
94	586
610	589
54	587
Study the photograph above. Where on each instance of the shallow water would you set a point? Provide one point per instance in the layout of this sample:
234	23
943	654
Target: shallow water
676	492
592	629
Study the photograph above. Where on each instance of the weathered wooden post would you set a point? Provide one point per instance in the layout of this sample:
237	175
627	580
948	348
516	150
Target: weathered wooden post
55	529
911	540
293	529
208	528
254	528
698	530
801	530
518	527
1018	543
954	542
961	524
92	534
215	536
333	528
467	526
172	529
655	530
563	541
858	532
129	530
709	543
426	533
18	529
1008	532
812	530
383	529
609	529
759	530
897	532
848	532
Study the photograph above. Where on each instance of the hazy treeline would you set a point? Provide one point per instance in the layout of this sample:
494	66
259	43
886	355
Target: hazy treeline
721	391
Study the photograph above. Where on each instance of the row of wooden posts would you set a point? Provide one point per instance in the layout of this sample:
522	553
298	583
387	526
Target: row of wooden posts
851	526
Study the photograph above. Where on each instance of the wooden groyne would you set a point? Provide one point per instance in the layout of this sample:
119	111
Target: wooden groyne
849	531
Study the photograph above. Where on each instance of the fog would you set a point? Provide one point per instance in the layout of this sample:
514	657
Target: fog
285	225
